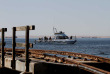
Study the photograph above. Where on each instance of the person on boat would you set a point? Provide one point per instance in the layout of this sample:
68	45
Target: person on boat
50	38
39	38
71	37
45	38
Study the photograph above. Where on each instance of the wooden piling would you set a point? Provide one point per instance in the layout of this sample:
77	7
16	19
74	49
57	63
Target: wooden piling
2	47
13	48
27	45
27	49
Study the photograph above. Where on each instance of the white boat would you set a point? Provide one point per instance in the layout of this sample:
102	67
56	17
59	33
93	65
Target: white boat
59	37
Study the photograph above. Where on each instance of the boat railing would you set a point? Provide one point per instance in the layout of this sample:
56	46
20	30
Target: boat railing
49	39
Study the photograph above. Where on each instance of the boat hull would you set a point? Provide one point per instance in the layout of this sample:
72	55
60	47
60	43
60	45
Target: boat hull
59	41
65	42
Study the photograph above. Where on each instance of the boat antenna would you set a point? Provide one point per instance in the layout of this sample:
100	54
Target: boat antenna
54	30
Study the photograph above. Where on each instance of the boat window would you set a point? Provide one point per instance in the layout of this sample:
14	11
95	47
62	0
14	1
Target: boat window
62	37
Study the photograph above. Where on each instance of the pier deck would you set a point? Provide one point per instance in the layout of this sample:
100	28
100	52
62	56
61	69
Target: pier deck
83	62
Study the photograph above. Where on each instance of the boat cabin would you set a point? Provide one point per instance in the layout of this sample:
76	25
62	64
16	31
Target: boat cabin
61	35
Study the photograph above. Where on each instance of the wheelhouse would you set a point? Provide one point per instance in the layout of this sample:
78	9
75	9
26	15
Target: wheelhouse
60	35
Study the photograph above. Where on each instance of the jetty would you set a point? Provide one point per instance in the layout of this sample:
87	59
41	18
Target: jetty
35	61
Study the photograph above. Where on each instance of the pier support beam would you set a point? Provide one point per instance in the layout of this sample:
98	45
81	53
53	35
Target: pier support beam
27	49
3	30
27	45
2	47
13	48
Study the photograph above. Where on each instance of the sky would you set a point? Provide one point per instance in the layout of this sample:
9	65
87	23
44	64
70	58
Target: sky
74	17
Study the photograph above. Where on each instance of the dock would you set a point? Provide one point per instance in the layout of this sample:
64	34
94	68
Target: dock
35	61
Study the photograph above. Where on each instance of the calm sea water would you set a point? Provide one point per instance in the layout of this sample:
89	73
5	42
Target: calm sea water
92	46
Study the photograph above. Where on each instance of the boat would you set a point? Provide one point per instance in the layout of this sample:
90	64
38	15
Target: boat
59	37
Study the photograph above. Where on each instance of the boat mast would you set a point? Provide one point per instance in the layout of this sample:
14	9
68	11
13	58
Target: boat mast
54	30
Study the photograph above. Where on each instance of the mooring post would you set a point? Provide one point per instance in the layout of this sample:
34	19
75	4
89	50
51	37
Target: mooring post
27	45
13	48
27	49
2	46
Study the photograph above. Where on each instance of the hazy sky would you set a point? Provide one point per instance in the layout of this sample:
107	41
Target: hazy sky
75	17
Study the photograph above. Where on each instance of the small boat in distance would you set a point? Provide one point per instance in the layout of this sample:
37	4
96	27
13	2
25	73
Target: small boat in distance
59	37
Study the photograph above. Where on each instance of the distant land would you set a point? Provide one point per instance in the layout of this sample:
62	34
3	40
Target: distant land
93	36
53	36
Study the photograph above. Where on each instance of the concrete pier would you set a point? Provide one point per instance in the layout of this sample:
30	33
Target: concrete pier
37	66
43	62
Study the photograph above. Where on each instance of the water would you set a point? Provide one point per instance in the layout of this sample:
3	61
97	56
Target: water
92	46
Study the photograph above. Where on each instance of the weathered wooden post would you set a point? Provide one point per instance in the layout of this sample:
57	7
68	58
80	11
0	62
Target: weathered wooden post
3	30
27	49
27	45
13	48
